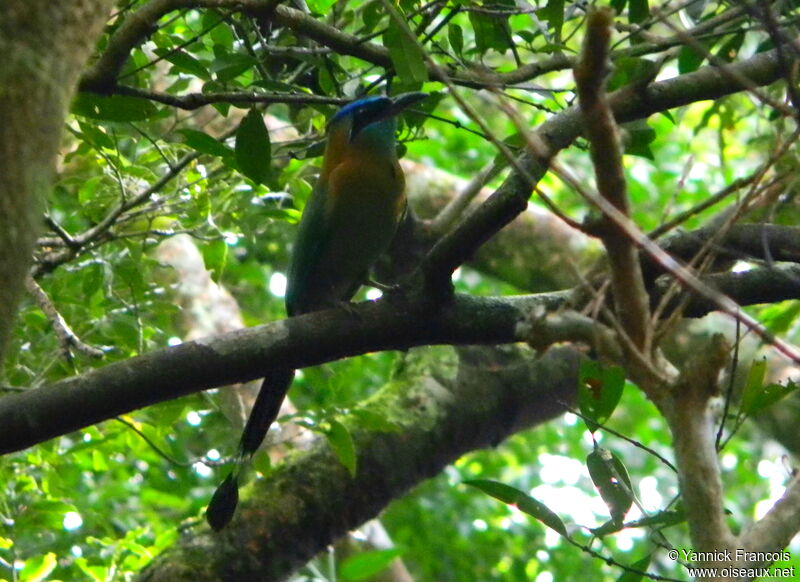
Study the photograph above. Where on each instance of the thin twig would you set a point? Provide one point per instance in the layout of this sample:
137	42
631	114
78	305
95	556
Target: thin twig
67	338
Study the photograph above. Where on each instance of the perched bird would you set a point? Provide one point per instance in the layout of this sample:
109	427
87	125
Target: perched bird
348	222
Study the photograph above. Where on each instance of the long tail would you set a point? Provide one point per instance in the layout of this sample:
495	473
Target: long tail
265	410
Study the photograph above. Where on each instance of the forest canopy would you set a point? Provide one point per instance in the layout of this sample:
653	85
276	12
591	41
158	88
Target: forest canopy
578	358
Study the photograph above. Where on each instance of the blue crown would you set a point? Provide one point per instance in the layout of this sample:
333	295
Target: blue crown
355	106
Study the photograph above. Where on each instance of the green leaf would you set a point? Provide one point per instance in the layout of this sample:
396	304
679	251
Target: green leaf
342	442
638	11
367	564
690	57
371	14
95	573
455	35
599	391
524	502
629	70
606	470
640	565
183	62
114	108
371	420
406	55
38	568
261	462
227	67
219	34
253	148
95	136
93	278
754	383
488	32
779	318
554	14
86	193
99	463
204	143
45	514
638	139
730	49
215	257
320	6
661	519
769	395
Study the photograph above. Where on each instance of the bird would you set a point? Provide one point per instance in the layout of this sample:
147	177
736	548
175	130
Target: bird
349	221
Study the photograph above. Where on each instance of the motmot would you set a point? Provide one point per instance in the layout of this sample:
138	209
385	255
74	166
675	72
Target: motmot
349	221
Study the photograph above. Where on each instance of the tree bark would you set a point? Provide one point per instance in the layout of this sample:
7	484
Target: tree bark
45	46
311	499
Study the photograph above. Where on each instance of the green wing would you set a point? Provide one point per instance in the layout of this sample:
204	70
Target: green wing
313	236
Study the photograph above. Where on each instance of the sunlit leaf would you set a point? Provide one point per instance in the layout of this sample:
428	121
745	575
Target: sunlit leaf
341	441
524	502
754	384
320	6
38	568
769	395
367	564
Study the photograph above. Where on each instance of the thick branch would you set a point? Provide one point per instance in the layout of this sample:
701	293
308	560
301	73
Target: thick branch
763	242
103	75
691	423
765	285
311	500
37	415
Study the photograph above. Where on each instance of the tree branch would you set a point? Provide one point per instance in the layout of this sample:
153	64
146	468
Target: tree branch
311	499
627	284
687	412
103	76
191	101
764	285
34	416
560	130
37	415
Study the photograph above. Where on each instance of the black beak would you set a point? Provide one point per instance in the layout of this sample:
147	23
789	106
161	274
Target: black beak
405	100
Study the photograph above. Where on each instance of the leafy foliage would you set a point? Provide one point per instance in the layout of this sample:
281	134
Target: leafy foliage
144	165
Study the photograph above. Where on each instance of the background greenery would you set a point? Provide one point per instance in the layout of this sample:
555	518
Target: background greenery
100	503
